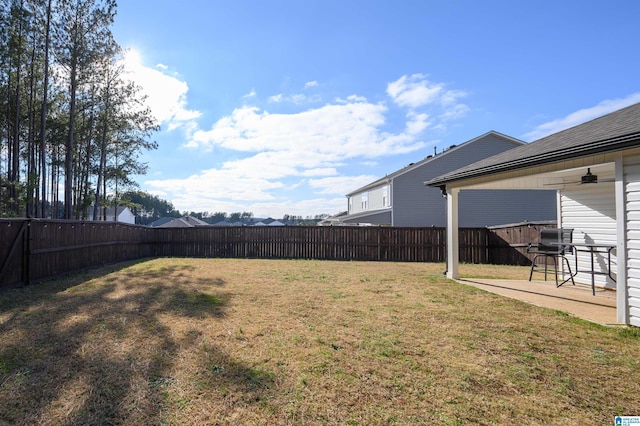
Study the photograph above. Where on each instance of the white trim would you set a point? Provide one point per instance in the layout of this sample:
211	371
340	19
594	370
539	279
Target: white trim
453	251
622	291
393	221
367	213
559	209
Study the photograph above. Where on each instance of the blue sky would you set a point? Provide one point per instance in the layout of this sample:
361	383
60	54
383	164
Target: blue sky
284	106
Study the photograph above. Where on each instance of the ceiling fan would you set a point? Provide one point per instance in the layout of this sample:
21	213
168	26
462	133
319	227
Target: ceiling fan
588	178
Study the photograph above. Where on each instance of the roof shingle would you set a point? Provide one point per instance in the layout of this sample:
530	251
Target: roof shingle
617	130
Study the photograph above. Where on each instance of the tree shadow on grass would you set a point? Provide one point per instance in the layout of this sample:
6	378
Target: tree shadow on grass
102	349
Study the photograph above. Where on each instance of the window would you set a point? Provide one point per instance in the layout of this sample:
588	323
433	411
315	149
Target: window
350	204
365	201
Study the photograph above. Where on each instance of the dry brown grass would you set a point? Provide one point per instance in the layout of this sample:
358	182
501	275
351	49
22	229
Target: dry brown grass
212	341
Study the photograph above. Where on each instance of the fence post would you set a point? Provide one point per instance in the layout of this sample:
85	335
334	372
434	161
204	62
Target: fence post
26	253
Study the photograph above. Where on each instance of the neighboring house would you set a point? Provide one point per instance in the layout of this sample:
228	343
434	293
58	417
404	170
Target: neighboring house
227	223
181	222
269	222
334	220
161	221
595	170
401	198
252	222
124	215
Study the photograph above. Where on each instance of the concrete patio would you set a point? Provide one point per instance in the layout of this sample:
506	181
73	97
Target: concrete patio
576	300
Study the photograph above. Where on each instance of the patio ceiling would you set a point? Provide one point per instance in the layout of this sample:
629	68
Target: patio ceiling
558	176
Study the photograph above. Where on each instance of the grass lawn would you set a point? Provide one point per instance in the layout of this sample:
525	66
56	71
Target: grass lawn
265	342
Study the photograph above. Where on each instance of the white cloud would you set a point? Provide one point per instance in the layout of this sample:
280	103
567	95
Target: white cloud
305	207
341	185
455	112
230	190
274	159
351	98
321	171
310	84
581	116
297	99
452	97
418	94
338	131
167	95
225	185
417	123
414	91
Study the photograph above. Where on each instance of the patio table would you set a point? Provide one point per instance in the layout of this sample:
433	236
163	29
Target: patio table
593	249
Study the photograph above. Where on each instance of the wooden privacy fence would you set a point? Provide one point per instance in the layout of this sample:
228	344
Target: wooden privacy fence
309	242
34	249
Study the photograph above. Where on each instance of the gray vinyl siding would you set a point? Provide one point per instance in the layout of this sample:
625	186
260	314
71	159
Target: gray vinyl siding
374	218
500	207
632	202
415	204
590	211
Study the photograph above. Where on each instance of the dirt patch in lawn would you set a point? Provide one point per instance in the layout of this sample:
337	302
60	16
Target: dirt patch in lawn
215	341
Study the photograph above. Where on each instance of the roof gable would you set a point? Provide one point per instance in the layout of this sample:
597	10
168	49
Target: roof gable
438	157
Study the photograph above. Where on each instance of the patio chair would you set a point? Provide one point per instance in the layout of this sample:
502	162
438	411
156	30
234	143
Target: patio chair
553	244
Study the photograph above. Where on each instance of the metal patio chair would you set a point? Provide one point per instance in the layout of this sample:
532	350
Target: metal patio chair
554	244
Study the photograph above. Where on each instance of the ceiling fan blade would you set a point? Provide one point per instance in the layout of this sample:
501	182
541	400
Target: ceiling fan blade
588	179
561	183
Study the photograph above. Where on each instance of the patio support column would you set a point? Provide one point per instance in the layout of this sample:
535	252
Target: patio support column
622	301
452	233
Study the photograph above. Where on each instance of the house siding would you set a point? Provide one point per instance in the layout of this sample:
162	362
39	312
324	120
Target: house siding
632	211
590	210
500	207
125	215
375	200
415	204
375	218
374	197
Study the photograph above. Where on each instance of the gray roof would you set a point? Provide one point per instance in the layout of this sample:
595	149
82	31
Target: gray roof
612	132
175	223
431	158
194	221
161	221
183	222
